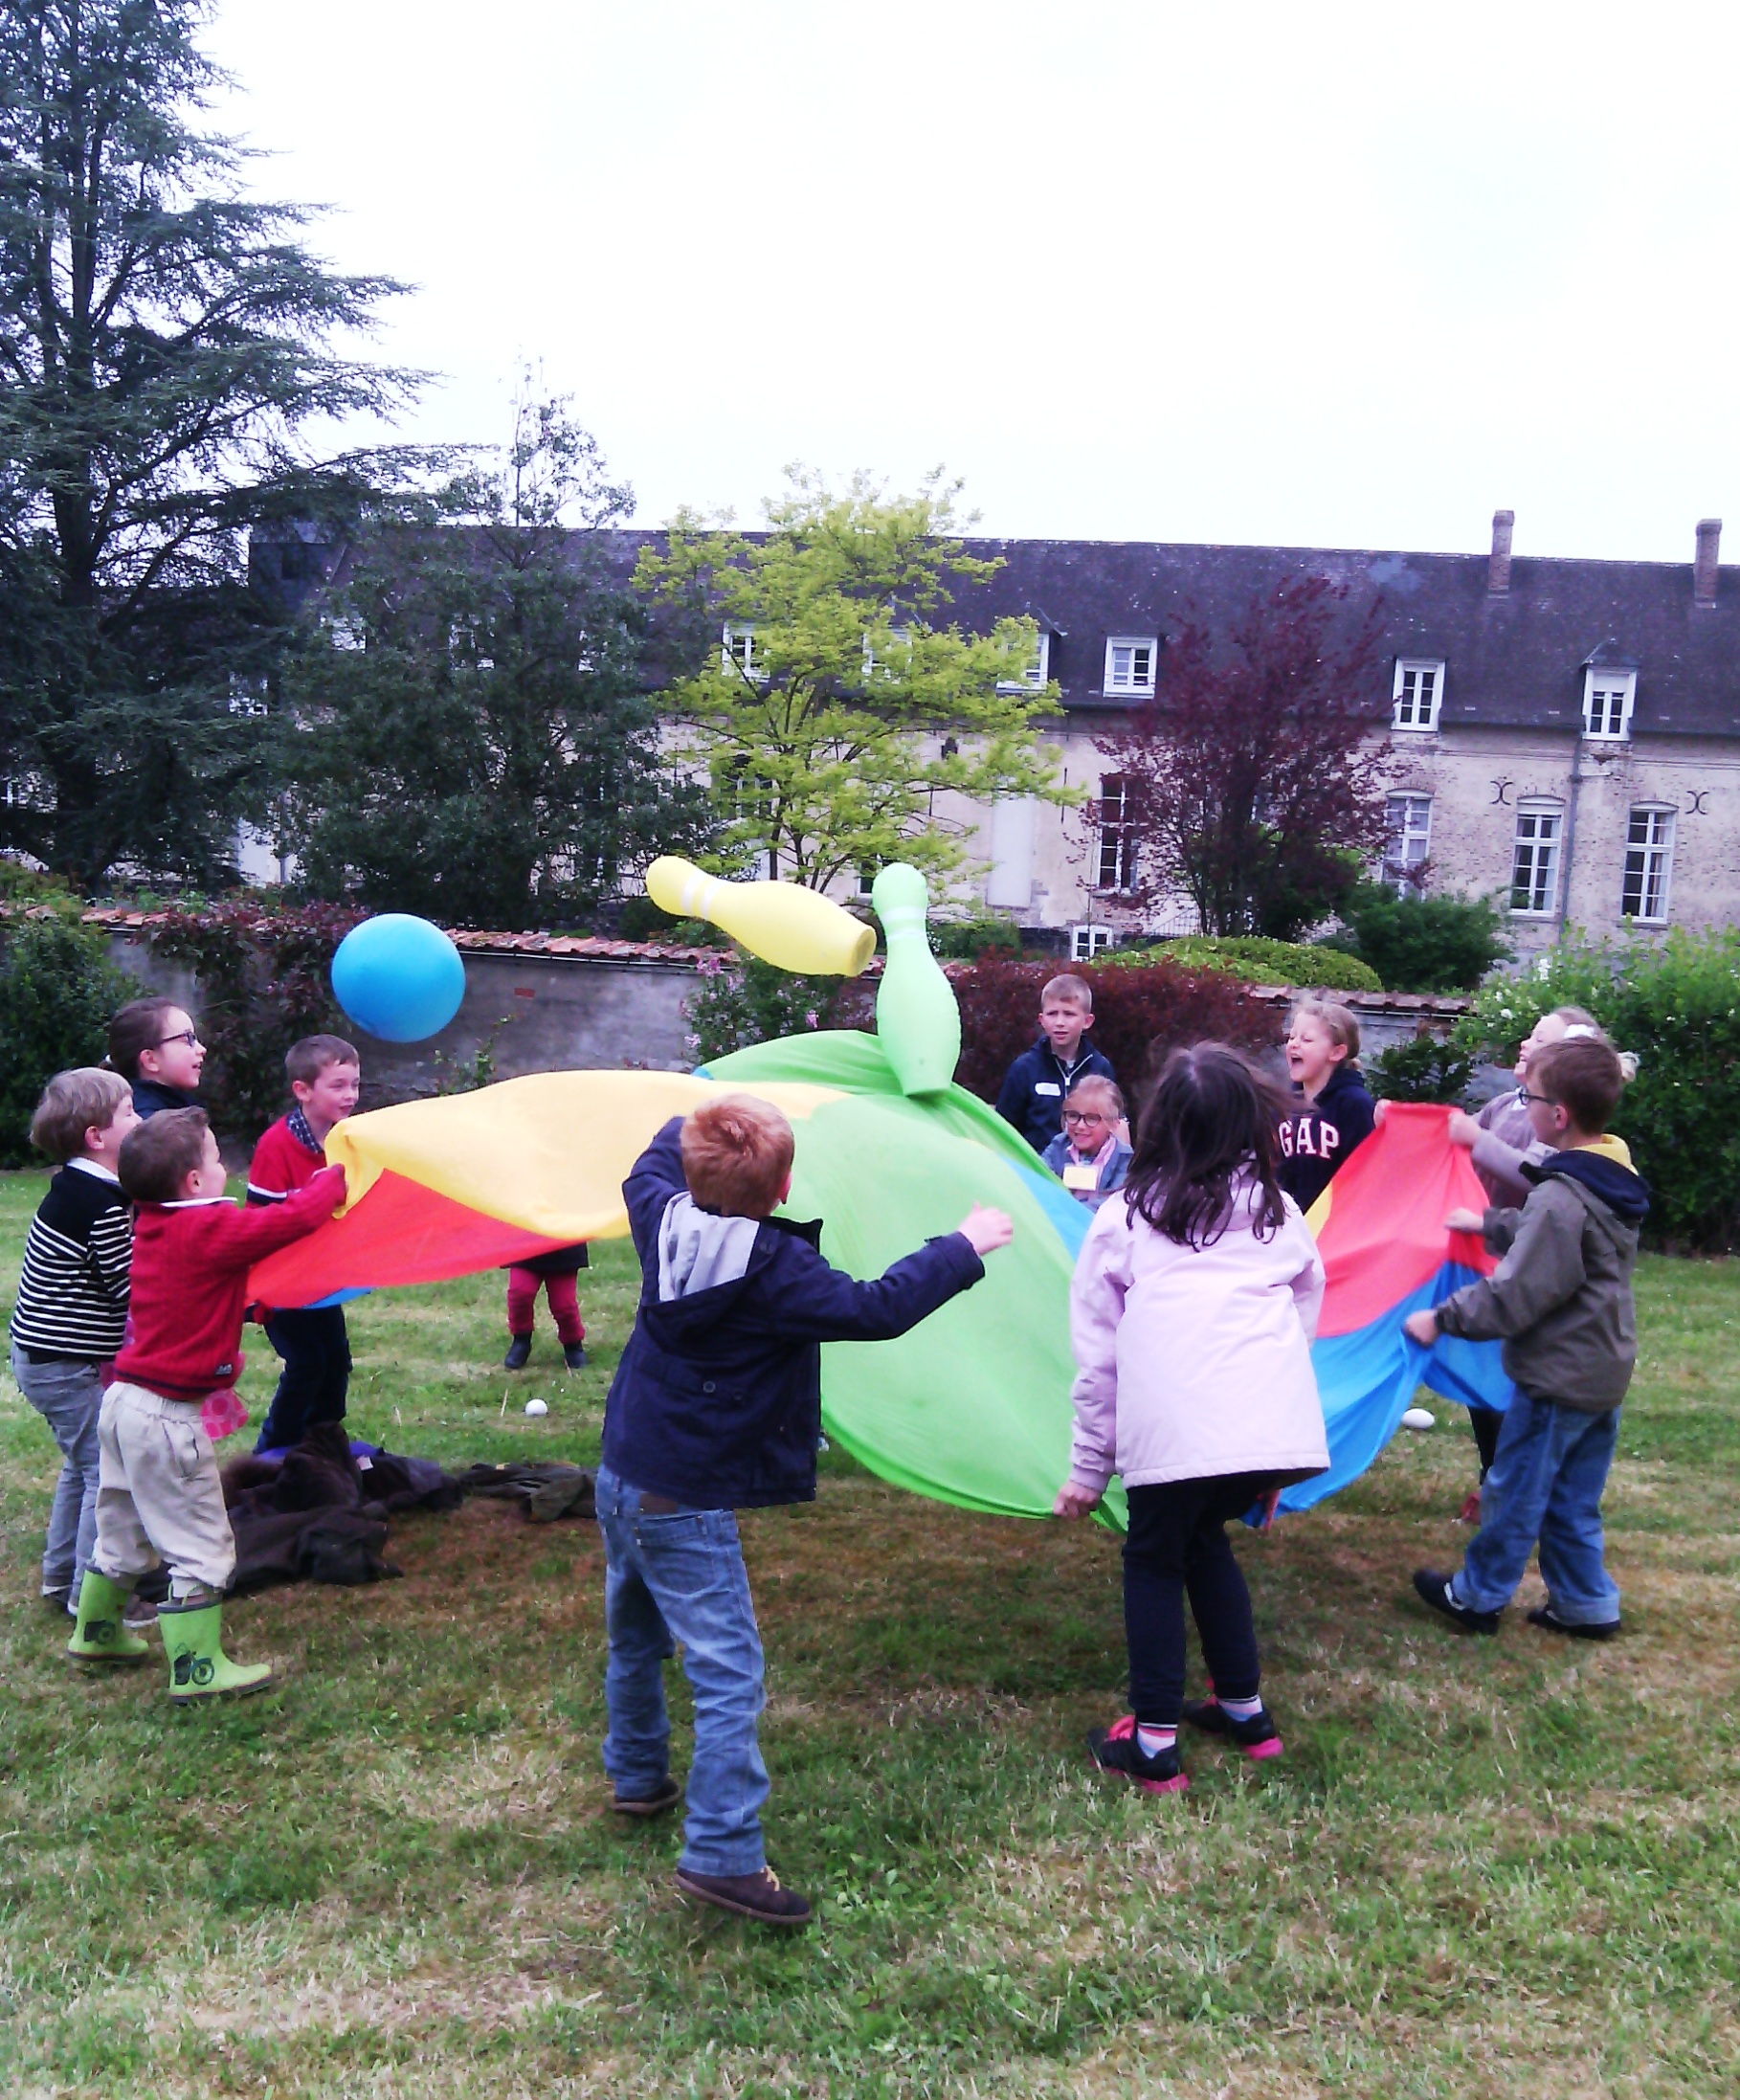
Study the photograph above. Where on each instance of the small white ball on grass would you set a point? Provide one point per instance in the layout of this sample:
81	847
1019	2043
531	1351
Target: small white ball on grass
1420	1418
536	1407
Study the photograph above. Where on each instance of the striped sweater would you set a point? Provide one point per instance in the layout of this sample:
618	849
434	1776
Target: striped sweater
73	1291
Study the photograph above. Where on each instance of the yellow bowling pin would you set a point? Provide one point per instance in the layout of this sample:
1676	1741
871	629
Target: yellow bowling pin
792	929
918	1020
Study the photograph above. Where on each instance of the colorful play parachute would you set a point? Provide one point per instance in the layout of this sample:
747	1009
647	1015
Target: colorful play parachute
973	1407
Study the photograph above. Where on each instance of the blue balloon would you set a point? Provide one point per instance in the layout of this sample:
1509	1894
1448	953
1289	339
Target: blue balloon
399	977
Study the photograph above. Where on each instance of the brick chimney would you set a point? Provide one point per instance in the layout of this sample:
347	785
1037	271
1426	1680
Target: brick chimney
1498	568
1703	567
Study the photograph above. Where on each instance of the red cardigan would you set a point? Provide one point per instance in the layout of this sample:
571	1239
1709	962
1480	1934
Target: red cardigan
190	1263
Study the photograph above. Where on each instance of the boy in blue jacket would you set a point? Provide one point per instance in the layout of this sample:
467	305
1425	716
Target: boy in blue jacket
716	1407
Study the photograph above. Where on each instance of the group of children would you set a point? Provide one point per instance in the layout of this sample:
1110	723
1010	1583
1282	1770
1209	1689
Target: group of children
1192	1309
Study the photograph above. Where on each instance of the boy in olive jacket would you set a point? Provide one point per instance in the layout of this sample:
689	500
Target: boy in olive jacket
1561	1300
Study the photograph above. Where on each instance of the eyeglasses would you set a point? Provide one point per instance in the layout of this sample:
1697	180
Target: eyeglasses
1082	1115
1546	1100
186	1036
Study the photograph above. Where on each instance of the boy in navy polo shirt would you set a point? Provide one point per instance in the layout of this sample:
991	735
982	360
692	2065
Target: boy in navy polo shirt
1033	1093
716	1407
325	1078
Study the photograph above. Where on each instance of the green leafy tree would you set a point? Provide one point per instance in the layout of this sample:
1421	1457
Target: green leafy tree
166	345
828	699
466	732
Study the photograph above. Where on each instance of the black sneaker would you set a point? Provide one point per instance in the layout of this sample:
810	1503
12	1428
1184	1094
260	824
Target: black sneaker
1256	1737
1115	1749
666	1795
573	1356
1434	1587
1544	1615
519	1350
757	1896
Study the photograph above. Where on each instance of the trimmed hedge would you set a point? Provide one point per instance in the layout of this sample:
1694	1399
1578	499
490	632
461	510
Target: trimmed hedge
1423	944
1140	1013
1677	1006
1257	961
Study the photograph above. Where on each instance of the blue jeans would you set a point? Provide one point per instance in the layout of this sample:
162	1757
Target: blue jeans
1545	1484
68	1395
681	1578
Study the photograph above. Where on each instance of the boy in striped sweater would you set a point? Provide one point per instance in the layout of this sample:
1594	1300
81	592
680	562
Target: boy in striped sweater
72	1307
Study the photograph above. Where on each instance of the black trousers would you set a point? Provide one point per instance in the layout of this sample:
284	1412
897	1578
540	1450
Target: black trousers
1177	1546
1486	1422
315	1346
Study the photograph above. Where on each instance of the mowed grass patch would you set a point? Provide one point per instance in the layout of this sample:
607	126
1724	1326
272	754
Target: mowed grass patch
1480	1864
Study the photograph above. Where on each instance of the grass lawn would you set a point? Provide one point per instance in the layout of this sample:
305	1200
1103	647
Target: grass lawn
1502	1866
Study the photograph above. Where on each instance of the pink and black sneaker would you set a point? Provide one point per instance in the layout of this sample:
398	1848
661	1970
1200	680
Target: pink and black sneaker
1256	1737
1115	1749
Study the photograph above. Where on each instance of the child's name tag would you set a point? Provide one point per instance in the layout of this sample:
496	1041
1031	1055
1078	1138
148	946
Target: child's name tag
1080	1180
1046	1086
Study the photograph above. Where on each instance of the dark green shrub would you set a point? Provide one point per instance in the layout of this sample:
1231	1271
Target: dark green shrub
1257	961
1677	1006
264	980
965	940
1423	1069
57	989
639	919
1423	944
740	1000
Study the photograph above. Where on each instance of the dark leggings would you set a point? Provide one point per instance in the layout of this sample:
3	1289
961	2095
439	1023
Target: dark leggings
1486	1422
1177	1546
316	1378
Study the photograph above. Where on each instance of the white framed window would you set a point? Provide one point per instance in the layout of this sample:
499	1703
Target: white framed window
1649	864
1116	860
737	652
1409	845
346	633
1607	701
1419	693
1039	670
1534	869
1129	662
899	642
1085	942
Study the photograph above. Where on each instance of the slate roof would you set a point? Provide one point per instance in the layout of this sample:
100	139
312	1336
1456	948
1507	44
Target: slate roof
1512	661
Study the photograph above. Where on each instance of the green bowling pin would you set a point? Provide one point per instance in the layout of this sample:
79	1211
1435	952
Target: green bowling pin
917	1020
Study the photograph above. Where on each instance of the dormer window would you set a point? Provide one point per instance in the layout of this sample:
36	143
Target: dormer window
1039	670
1419	693
1607	702
1129	663
737	652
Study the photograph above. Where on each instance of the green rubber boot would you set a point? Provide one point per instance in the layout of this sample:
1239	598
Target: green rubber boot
198	1666
98	1633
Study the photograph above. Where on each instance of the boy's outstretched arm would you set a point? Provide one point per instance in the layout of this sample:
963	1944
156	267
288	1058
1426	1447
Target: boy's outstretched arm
1544	1268
250	1234
825	1305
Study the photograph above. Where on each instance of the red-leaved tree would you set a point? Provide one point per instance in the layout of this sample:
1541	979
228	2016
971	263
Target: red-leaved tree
1254	781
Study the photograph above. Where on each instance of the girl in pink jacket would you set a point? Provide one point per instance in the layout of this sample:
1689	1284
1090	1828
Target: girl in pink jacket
1191	1313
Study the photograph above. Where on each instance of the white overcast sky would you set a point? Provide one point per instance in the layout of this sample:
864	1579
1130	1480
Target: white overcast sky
1339	275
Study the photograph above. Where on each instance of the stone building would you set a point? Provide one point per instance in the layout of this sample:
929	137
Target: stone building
1566	733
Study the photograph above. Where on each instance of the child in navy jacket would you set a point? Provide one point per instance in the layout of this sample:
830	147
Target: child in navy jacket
715	1407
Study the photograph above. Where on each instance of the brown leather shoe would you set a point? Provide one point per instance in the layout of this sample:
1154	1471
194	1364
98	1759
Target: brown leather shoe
666	1795
757	1896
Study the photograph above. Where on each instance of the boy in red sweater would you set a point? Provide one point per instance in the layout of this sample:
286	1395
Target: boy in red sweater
325	1077
158	1498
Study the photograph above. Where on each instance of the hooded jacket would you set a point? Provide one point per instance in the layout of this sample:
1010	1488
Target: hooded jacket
1196	1362
1561	1300
717	1402
1318	1136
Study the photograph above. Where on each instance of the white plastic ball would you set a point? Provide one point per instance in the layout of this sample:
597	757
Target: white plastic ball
536	1407
1420	1418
